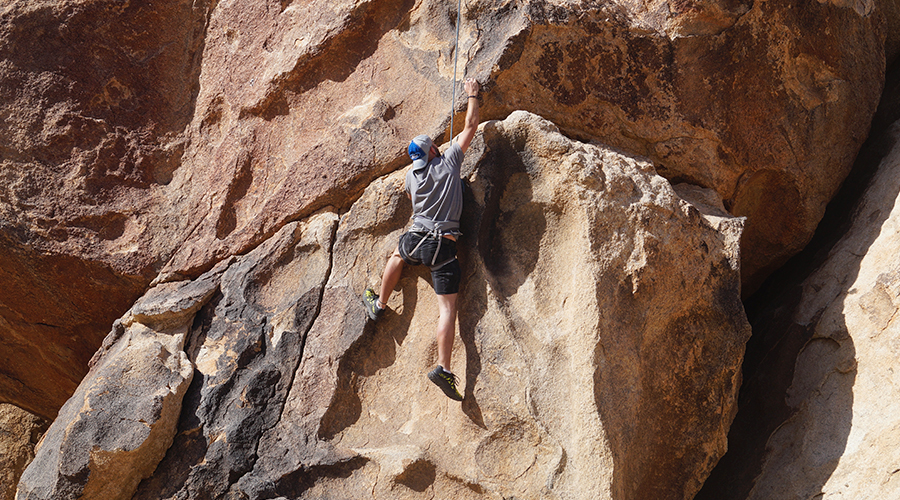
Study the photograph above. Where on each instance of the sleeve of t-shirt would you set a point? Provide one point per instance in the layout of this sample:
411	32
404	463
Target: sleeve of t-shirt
454	156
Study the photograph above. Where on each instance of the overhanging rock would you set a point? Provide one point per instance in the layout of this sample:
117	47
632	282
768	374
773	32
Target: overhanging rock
165	138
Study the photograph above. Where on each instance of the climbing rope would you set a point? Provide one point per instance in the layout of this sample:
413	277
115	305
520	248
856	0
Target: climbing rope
455	59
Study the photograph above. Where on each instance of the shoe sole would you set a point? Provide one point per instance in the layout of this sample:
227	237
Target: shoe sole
436	379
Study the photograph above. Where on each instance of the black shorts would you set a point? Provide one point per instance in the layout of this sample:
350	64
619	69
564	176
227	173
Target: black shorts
444	278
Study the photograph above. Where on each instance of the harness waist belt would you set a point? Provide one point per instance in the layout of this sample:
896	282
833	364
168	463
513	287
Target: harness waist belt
439	236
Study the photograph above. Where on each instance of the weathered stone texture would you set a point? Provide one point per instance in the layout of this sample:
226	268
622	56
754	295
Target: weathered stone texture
19	433
743	86
216	151
119	423
96	97
563	306
601	335
246	344
740	97
147	138
840	440
205	361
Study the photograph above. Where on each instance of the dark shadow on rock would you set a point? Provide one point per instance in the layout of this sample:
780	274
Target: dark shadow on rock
295	484
502	229
418	476
379	350
374	350
777	341
508	225
471	310
346	407
762	406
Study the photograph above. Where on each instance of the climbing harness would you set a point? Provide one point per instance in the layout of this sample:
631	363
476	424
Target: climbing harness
455	59
438	235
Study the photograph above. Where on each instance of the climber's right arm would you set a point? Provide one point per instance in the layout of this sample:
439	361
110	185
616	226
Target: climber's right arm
472	118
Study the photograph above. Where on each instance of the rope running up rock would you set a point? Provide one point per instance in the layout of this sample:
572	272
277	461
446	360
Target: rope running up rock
455	59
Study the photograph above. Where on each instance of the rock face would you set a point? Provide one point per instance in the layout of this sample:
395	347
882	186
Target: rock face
210	359
152	141
223	178
741	86
789	317
97	95
119	423
741	97
600	340
838	439
19	432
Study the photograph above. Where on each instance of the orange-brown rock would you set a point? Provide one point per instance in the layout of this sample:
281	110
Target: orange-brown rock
736	96
19	432
96	97
149	140
742	97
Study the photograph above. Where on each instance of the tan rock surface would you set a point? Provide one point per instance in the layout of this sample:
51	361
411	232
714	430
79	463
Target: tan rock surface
19	432
601	335
119	423
520	363
568	303
841	440
148	138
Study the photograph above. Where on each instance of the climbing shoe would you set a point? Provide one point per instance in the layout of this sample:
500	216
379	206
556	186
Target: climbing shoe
446	381
370	301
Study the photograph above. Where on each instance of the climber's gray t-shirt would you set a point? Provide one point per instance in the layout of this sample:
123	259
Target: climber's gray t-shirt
436	192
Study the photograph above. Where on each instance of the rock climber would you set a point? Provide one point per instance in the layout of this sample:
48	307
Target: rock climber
434	186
